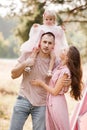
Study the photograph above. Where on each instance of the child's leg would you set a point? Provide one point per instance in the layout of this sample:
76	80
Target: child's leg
52	61
32	55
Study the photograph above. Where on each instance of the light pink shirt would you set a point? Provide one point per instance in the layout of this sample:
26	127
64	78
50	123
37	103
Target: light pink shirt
36	95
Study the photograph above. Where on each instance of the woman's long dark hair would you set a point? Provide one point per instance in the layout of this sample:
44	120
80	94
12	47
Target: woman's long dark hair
74	65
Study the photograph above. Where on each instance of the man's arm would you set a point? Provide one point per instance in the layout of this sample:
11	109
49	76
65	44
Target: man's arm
18	70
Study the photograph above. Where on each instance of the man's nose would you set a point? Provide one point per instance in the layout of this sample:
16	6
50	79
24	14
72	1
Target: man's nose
46	44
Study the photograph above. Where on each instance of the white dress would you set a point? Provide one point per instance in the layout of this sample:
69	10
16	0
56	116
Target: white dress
35	34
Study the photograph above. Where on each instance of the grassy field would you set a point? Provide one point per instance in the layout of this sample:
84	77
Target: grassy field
8	93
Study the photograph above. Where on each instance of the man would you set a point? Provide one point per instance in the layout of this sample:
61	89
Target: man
32	100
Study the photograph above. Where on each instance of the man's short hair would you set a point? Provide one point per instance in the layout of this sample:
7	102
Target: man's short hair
49	34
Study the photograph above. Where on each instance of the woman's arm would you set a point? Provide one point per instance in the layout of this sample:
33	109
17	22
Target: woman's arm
57	88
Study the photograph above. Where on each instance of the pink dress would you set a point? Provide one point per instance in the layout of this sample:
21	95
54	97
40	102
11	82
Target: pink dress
57	117
35	34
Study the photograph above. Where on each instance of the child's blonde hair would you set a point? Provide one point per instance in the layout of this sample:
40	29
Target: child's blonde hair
50	13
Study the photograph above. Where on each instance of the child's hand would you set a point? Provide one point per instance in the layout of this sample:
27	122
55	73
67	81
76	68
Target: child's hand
35	25
34	52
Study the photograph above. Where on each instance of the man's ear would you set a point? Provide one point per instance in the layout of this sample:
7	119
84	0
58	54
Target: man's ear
39	45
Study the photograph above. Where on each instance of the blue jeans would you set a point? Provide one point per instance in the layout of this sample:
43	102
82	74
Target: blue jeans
21	111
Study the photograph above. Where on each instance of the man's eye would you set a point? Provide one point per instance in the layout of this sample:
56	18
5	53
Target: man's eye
50	42
45	42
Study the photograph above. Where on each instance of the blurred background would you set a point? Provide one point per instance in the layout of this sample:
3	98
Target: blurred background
16	19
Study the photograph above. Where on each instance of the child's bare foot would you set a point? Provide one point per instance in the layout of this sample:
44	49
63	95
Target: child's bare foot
49	73
27	69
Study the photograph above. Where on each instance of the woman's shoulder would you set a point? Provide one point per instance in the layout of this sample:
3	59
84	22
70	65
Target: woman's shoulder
65	70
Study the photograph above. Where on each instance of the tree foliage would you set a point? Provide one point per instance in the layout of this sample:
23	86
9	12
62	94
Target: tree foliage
31	12
7	50
28	7
28	19
71	11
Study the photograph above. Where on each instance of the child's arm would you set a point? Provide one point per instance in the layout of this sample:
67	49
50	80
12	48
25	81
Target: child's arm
34	52
34	30
51	65
32	56
18	69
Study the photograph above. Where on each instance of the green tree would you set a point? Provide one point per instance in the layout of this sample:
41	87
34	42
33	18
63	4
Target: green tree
31	12
7	50
28	19
3	45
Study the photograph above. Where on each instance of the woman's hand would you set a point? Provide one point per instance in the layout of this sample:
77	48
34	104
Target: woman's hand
67	82
37	82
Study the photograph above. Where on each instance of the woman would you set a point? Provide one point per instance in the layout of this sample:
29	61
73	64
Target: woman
57	117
